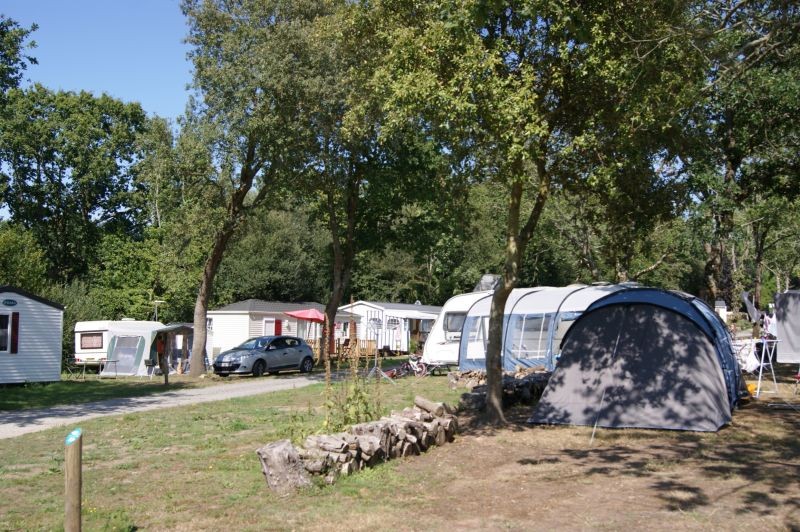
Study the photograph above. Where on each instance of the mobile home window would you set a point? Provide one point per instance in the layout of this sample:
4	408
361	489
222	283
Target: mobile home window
5	332
91	340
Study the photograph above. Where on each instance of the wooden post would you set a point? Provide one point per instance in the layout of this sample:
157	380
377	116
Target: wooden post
73	481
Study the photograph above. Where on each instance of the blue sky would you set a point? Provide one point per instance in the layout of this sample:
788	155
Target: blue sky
131	49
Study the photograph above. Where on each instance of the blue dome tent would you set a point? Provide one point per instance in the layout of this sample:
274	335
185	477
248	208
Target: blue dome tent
647	358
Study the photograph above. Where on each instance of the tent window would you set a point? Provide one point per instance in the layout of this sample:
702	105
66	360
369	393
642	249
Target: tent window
126	347
92	340
562	326
528	335
477	336
5	332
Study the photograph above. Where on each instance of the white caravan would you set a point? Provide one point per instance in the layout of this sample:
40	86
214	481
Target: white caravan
91	342
441	347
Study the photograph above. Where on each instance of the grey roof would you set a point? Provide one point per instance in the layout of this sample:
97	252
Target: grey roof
29	295
185	327
406	306
258	305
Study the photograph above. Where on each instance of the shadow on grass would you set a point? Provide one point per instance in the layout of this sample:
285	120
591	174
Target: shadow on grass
475	423
752	467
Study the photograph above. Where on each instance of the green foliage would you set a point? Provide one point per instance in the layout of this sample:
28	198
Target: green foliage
278	256
123	278
381	149
354	399
79	305
22	260
67	159
13	59
740	136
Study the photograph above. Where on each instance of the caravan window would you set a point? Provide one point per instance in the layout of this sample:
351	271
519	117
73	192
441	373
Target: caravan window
527	335
92	340
5	334
454	321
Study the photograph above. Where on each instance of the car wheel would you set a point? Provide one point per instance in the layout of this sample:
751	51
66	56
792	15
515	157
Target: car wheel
258	368
306	365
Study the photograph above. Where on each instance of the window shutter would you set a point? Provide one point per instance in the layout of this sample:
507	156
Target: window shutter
14	332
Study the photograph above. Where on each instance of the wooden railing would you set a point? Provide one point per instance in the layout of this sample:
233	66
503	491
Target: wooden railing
361	348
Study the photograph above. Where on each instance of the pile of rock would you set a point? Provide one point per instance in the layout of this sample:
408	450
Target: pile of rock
405	433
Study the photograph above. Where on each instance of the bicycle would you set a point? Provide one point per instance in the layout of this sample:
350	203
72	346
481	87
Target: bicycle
414	365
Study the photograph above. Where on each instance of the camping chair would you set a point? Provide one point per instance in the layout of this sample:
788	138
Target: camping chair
150	364
767	352
72	369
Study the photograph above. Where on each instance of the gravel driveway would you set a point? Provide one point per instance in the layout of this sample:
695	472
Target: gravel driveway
18	422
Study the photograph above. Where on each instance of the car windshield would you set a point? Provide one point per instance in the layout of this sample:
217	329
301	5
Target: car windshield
254	343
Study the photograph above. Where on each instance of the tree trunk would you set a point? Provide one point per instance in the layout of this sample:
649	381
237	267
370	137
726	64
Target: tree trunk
343	254
516	242
760	234
197	365
494	358
711	269
247	175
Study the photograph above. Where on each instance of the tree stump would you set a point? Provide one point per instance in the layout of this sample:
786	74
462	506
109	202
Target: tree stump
282	467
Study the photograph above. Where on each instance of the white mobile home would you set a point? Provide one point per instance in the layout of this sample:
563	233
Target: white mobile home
30	337
441	347
391	325
232	324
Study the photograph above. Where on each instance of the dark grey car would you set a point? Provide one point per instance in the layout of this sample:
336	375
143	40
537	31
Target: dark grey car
265	354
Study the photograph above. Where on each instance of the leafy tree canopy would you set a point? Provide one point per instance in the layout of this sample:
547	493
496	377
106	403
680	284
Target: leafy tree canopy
67	168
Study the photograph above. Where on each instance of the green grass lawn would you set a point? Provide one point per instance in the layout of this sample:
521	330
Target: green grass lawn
193	467
71	390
